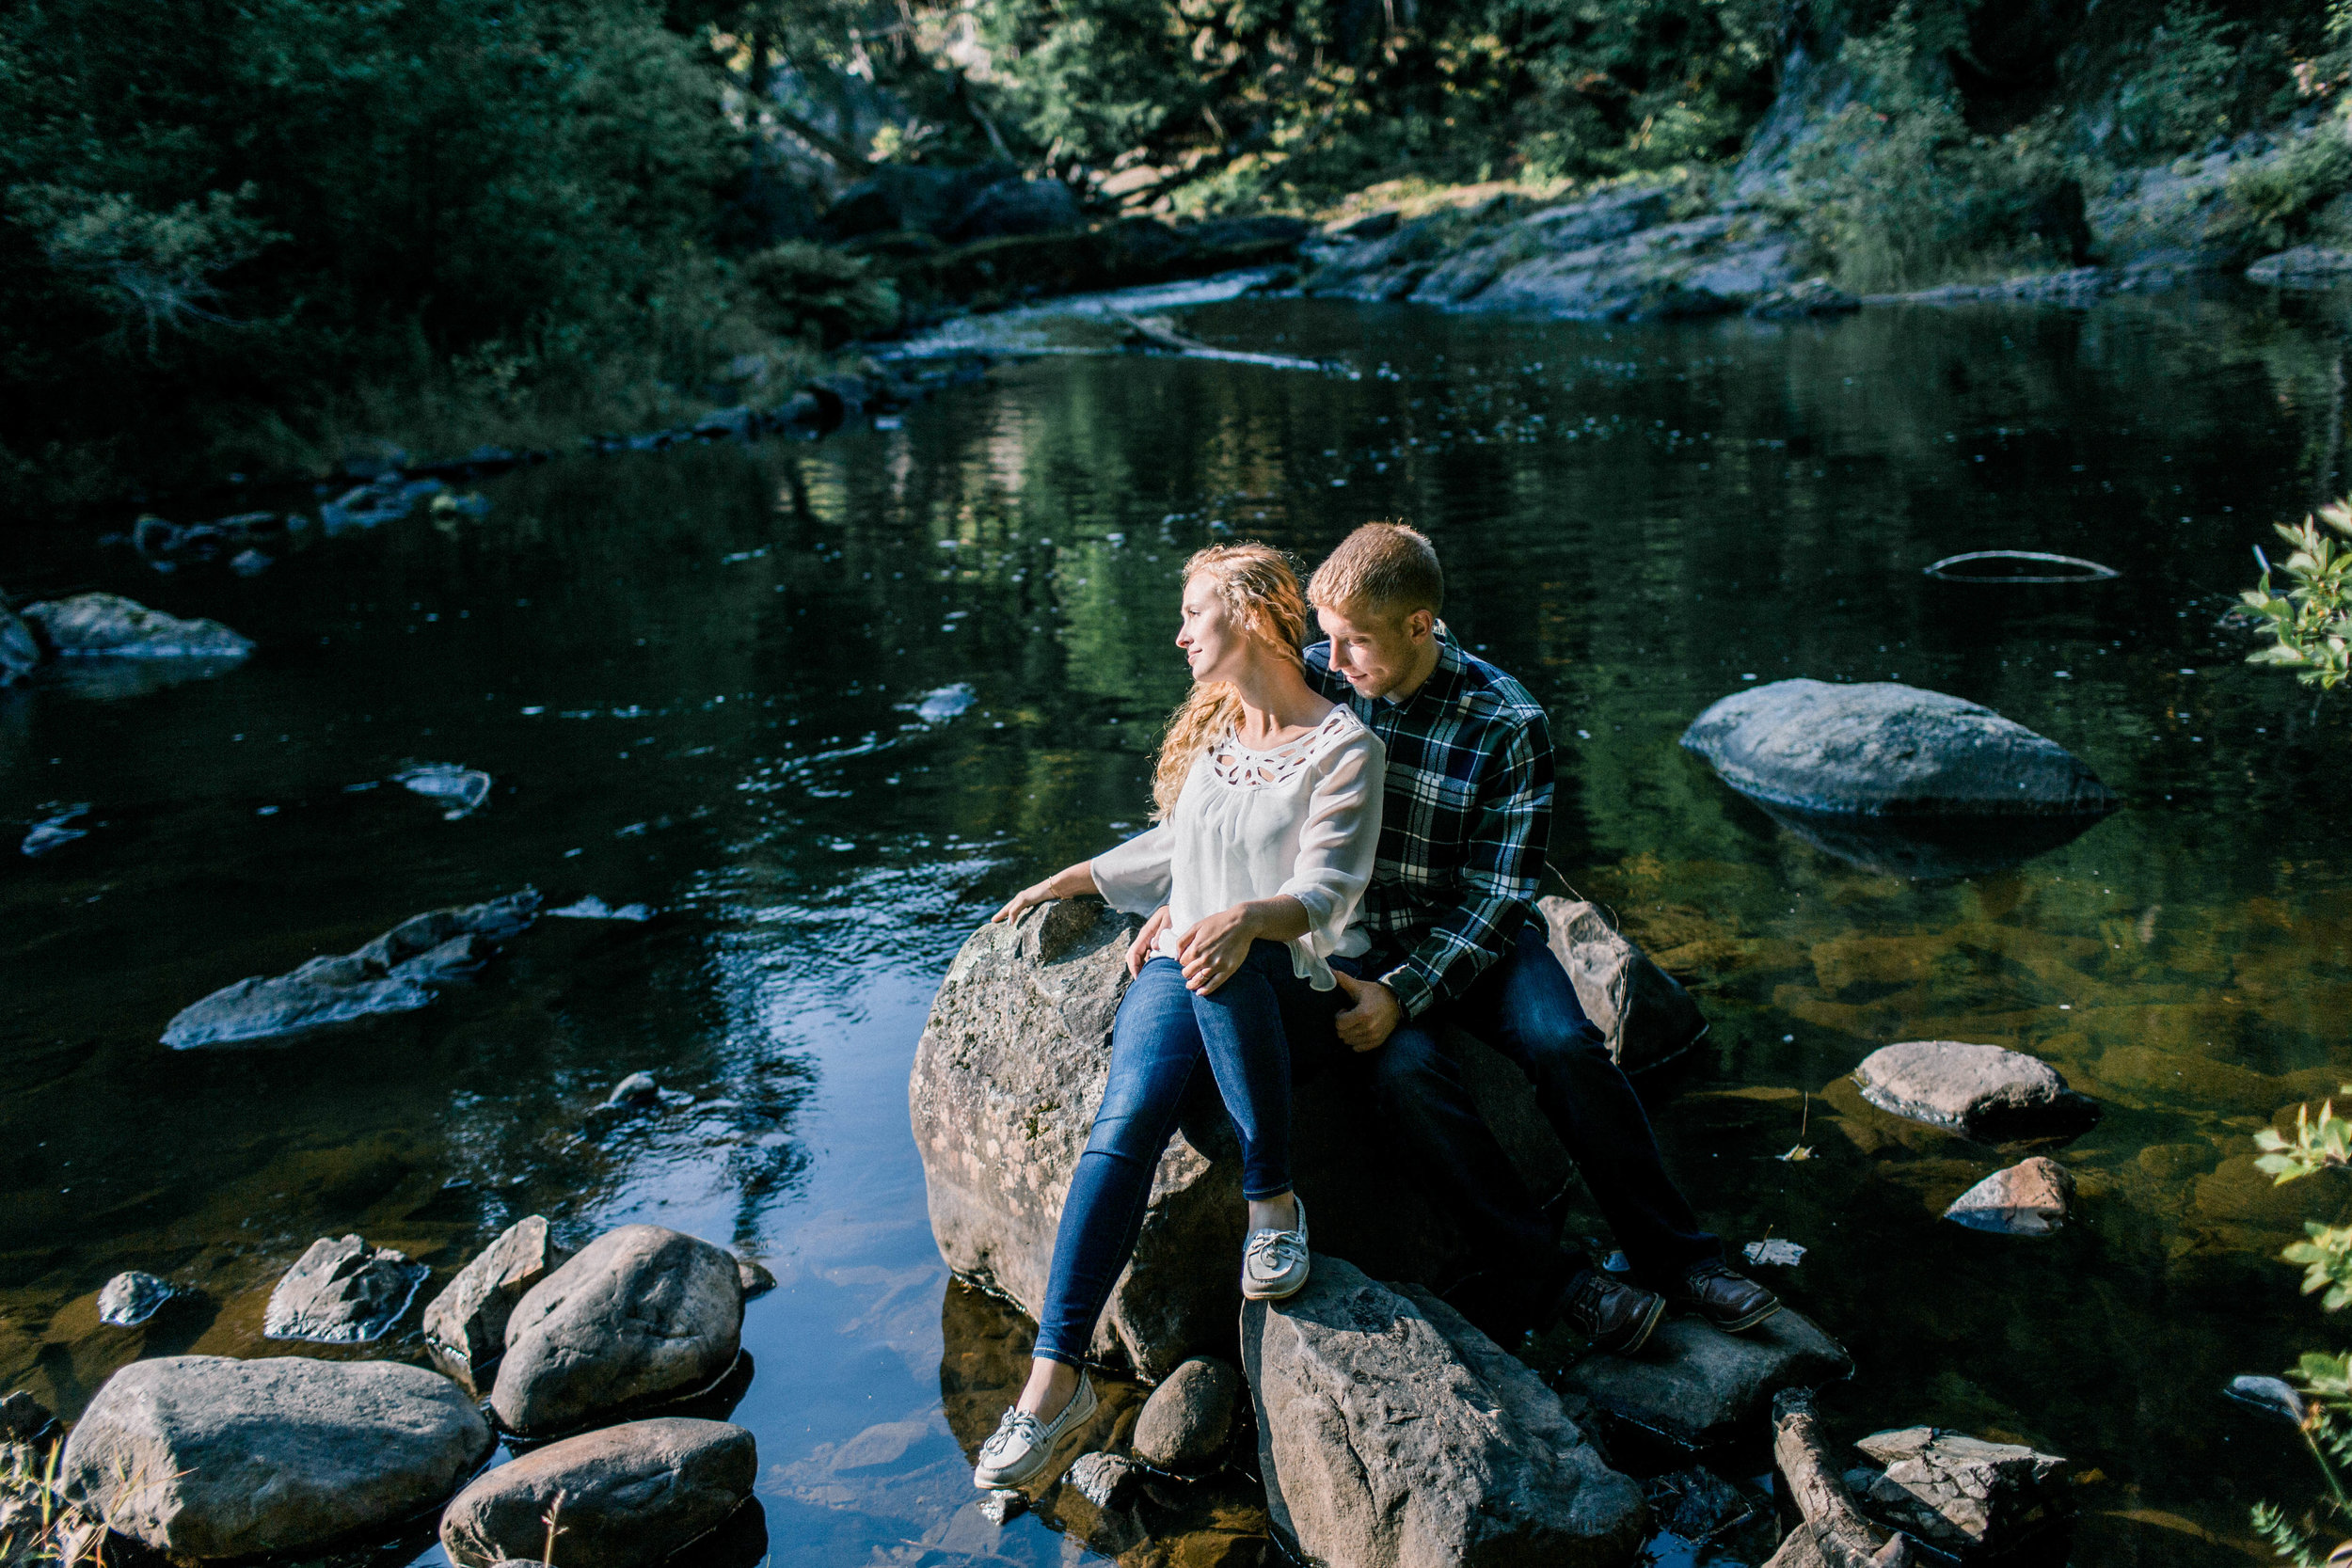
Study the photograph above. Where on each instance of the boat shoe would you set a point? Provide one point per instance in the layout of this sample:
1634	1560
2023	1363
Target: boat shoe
1274	1264
1021	1448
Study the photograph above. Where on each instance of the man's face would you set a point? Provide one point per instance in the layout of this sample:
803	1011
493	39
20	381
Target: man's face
1375	652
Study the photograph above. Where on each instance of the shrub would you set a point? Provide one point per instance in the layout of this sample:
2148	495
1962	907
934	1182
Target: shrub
2185	88
2274	203
808	293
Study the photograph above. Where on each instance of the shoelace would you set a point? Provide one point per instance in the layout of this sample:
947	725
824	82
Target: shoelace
1274	1251
1017	1423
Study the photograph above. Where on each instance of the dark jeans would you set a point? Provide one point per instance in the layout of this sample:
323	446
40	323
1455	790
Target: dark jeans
1525	1009
1163	1033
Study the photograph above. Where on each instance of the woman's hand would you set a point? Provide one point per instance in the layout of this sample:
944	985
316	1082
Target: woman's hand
1070	881
1212	952
1140	950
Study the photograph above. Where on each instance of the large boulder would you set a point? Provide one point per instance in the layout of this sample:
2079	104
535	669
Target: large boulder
204	1457
1987	1092
1698	1385
1880	749
643	1314
630	1496
1184	1423
395	972
1642	1011
466	1325
1017	207
917	197
1003	1093
1391	1433
107	626
342	1293
19	654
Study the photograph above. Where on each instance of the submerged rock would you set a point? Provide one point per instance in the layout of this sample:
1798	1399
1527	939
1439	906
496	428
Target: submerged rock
395	972
1391	1433
466	1325
129	1299
463	788
2030	1198
22	1417
1877	748
631	1495
1963	1493
1100	1478
1698	1385
1984	1091
203	1456
755	1278
643	1313
594	908
342	1293
19	654
1696	1505
634	1093
1186	1422
1643	1012
107	626
53	832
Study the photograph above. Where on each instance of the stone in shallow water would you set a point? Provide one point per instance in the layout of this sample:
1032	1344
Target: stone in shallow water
22	1417
1001	1507
632	1496
755	1278
1878	748
395	972
1695	1504
1698	1385
1984	1091
1186	1422
1643	1012
52	831
463	788
1100	1476
203	1456
643	1313
1391	1433
107	626
2030	1198
634	1092
466	1325
1957	1491
132	1297
342	1293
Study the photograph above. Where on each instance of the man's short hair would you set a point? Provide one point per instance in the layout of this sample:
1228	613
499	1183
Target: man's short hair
1387	568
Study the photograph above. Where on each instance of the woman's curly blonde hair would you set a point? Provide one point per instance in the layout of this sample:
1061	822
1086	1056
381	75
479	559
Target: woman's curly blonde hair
1261	589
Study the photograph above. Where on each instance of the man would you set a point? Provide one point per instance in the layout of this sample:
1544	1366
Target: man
1466	818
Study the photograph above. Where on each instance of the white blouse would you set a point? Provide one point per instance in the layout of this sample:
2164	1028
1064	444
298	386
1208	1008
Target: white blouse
1301	819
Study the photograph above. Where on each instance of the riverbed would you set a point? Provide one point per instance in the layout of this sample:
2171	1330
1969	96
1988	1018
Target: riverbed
699	680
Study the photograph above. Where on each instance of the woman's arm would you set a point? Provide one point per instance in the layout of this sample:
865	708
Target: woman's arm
1069	882
1213	950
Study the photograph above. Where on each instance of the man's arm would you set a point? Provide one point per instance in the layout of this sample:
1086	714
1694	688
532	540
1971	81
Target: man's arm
1502	874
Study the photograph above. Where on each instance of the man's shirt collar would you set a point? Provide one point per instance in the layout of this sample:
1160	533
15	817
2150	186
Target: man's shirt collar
1445	679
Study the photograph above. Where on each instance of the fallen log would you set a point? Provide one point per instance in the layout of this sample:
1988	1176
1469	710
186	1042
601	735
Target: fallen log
1833	1534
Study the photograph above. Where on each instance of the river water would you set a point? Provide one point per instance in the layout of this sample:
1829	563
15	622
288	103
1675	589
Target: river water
696	678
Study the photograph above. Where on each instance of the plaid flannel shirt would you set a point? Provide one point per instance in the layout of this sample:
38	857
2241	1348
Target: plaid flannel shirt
1465	821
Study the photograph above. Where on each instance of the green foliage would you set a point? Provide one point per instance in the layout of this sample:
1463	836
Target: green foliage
2324	1379
1899	192
813	295
2273	202
2311	630
2185	88
2329	1253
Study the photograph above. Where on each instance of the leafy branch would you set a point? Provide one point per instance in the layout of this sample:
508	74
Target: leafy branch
2310	624
2323	1411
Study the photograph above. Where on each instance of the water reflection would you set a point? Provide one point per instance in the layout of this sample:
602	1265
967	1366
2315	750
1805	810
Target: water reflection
697	680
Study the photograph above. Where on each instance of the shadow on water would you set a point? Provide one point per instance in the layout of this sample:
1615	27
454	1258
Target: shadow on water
698	682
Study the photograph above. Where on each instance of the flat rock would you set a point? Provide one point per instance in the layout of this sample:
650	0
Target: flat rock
631	1495
1814	296
107	626
342	1293
754	1276
2030	1198
1878	748
2305	263
395	972
132	1297
1002	1096
229	1458
20	655
1186	1422
1391	1433
1699	1386
1642	1011
1961	1491
466	1325
642	1314
1984	1091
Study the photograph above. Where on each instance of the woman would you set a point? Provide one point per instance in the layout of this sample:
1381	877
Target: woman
1267	798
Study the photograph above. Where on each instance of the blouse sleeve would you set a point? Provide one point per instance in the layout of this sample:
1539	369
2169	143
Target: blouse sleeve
1338	843
1134	878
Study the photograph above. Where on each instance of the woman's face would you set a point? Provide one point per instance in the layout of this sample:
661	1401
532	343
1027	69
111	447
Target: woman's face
1216	644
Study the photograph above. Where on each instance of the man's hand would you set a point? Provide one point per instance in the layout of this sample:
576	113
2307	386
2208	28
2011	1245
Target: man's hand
1368	1025
1140	950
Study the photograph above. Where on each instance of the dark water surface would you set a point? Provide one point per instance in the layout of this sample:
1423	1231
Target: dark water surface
693	676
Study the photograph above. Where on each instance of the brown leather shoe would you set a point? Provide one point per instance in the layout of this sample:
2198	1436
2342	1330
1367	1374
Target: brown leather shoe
1729	1301
1614	1314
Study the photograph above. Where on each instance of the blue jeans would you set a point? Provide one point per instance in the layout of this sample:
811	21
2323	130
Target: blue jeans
1163	1032
1525	1007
